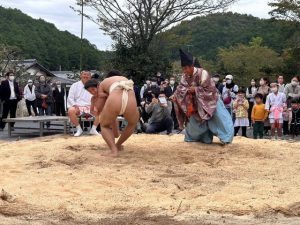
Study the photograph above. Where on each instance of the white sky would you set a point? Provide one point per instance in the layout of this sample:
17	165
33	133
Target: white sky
64	18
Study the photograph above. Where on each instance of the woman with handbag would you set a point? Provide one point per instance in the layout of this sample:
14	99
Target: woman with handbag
44	97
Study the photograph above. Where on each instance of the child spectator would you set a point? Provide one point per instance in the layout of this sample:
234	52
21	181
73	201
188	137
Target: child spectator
276	104
241	106
294	118
259	115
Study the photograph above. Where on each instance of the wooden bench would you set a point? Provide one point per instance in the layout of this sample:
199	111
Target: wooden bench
38	119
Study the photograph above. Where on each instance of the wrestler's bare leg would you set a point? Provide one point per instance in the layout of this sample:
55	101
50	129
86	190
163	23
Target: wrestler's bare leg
107	121
115	129
132	116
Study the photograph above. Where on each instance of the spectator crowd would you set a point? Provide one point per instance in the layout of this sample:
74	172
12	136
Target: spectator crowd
269	108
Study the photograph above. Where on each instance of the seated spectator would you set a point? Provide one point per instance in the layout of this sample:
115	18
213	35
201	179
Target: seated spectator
276	104
59	99
161	119
258	115
30	98
79	103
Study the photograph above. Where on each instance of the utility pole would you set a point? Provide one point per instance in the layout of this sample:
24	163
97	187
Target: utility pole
81	41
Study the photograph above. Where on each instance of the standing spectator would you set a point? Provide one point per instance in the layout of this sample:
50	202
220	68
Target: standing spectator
59	99
280	82
275	104
145	86
159	78
79	102
264	88
241	106
229	93
169	93
161	119
10	95
30	98
294	118
219	85
258	115
250	94
292	90
44	97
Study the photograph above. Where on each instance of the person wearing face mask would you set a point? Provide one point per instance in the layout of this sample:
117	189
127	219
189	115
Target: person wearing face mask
151	91
59	99
264	88
30	98
292	90
44	95
276	104
294	118
219	85
159	79
250	94
145	86
229	94
10	95
160	109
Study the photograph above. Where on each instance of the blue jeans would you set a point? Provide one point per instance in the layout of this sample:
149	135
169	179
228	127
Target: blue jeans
156	127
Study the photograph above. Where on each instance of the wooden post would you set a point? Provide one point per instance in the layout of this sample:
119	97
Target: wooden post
41	129
9	128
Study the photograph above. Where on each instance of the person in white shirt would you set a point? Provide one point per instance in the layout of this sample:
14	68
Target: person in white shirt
281	85
275	105
145	86
30	98
79	103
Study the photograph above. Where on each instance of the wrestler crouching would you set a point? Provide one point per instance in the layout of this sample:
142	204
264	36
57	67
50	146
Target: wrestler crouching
114	97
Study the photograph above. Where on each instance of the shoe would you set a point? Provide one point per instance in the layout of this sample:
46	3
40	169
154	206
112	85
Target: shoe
78	133
94	132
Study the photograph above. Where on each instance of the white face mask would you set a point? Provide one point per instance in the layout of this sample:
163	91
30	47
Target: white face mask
148	82
153	83
261	82
172	82
253	83
274	90
215	79
30	84
11	78
228	81
294	83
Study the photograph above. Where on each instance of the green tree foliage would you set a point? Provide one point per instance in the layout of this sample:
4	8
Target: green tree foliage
43	41
250	61
205	35
286	9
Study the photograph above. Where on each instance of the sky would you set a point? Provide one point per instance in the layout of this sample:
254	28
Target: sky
59	13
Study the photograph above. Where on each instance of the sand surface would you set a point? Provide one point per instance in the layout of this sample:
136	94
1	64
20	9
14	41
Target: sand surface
156	180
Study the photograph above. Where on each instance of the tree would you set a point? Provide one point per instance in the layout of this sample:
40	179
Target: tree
135	23
250	61
286	9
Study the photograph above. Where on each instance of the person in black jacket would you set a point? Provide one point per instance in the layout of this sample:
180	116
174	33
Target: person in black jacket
59	99
10	95
44	97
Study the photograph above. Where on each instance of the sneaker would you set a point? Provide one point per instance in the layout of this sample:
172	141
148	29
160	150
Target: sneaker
78	133
94	132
